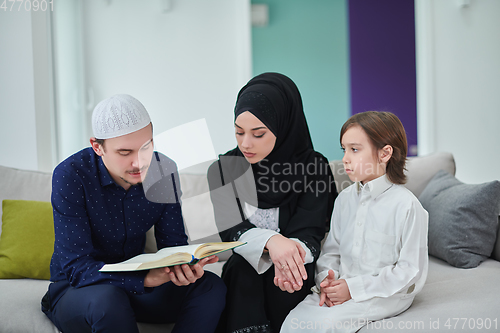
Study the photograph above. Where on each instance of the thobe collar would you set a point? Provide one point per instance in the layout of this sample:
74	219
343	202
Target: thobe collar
375	187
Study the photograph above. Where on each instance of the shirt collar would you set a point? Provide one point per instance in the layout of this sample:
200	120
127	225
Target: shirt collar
104	175
107	180
375	187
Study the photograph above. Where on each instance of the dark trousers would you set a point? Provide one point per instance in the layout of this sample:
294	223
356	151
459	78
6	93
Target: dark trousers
105	308
253	302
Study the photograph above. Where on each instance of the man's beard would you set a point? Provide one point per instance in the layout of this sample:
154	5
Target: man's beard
131	184
142	170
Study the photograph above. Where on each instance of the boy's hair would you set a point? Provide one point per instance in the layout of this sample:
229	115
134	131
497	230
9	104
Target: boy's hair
384	128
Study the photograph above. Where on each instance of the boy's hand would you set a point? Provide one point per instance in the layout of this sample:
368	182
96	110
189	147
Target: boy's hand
334	292
327	281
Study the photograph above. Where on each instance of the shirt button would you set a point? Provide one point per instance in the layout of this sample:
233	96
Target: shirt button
357	243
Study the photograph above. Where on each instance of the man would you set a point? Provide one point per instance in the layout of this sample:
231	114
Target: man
104	199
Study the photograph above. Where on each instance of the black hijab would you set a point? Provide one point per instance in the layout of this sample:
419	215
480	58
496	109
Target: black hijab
275	100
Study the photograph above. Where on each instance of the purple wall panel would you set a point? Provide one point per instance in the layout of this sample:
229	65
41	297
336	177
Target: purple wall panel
382	60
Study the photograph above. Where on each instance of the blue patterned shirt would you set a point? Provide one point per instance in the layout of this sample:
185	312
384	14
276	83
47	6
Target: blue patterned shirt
98	222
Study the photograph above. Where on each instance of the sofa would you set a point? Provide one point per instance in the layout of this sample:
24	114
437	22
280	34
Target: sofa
453	299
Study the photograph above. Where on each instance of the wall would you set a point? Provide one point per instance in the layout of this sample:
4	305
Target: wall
457	65
185	63
458	52
69	71
17	94
382	60
307	41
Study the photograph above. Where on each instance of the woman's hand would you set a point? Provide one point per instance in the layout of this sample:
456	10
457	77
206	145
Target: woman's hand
288	257
281	281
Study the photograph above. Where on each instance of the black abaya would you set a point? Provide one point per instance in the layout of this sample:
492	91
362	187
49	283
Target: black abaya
254	303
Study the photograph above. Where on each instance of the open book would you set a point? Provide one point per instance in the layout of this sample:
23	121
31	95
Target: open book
170	256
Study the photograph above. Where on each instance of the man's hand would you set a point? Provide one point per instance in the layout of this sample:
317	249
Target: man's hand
180	275
288	257
333	292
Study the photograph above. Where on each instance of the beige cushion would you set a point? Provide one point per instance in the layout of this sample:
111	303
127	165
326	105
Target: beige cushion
197	211
341	178
421	170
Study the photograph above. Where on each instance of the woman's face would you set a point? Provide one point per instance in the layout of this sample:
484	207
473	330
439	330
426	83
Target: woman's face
255	140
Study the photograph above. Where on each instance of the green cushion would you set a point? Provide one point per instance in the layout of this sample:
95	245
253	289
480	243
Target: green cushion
27	239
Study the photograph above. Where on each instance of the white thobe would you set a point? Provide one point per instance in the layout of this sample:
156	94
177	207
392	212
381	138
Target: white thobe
378	244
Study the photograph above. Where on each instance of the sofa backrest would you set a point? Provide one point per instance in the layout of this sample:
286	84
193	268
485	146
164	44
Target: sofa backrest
419	171
199	216
16	184
196	205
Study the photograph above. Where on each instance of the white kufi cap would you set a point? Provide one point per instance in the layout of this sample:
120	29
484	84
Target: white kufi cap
118	115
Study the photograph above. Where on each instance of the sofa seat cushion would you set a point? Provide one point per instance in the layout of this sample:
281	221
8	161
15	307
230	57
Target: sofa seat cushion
20	306
20	309
450	293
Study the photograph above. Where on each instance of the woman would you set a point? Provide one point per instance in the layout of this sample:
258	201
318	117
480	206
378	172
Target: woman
275	193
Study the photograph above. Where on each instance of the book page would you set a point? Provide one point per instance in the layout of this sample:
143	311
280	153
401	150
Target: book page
163	253
176	255
135	262
208	249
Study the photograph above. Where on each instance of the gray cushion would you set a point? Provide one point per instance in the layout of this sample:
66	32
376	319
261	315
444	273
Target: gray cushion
496	250
463	219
